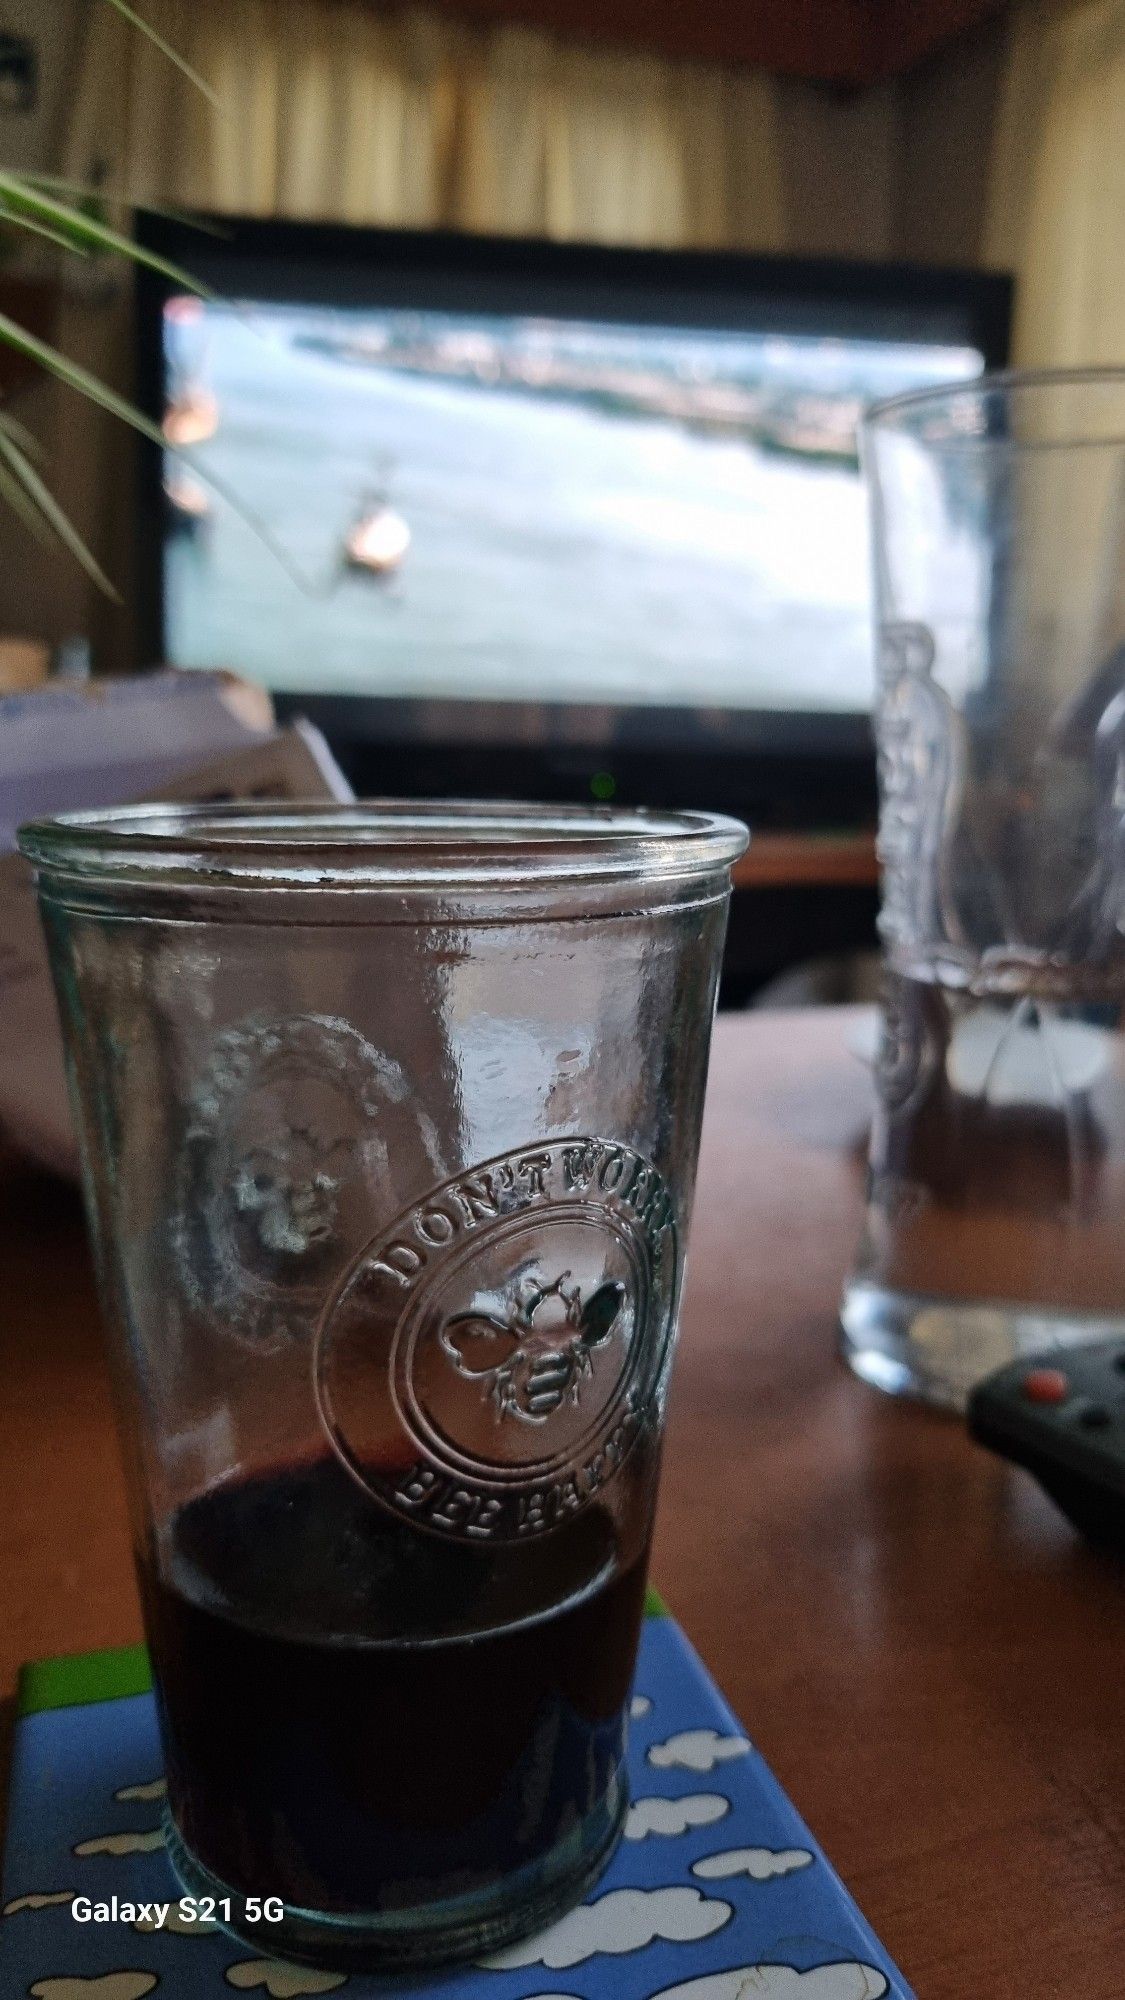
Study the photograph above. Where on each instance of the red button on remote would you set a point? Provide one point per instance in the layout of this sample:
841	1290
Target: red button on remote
1045	1385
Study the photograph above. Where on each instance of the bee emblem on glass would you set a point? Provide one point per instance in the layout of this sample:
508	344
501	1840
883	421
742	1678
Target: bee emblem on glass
539	1358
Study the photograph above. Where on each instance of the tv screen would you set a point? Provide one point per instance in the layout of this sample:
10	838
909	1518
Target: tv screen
478	497
519	507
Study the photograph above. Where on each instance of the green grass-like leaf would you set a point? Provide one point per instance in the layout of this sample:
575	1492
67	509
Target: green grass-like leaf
33	349
80	379
41	205
26	439
41	500
137	21
99	198
13	495
9	219
28	208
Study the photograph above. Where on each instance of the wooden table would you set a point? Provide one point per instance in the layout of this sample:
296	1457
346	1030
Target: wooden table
808	861
929	1658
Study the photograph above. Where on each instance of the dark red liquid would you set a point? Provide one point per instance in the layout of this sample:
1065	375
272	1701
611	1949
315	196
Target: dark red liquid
314	1755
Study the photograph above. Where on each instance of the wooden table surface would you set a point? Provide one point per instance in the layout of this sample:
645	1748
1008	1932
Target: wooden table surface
932	1662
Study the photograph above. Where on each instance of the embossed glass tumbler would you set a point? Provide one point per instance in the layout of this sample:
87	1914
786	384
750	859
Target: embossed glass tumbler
997	1184
389	1119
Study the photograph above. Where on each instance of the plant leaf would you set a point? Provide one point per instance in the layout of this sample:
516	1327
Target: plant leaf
10	220
15	497
15	336
26	439
206	225
136	20
40	496
76	377
21	202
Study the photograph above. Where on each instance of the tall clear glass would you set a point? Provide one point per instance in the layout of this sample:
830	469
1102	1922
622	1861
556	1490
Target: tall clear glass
389	1119
997	1183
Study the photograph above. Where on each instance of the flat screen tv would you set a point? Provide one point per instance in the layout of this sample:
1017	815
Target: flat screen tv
529	518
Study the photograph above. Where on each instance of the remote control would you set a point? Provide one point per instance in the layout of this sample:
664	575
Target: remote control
1062	1416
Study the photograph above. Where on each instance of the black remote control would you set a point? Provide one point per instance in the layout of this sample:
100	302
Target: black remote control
1062	1416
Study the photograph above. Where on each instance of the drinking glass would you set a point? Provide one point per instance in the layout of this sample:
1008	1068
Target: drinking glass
997	1174
388	1119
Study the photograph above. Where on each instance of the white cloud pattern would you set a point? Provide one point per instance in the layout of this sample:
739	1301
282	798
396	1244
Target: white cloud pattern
155	1789
621	1921
849	1981
673	1816
110	1986
760	1863
123	1843
697	1750
639	1707
179	1926
38	1899
282	1982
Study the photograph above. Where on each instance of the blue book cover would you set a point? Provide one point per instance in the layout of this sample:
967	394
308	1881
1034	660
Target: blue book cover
718	1890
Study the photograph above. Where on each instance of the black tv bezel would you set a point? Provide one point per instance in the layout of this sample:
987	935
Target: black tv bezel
787	766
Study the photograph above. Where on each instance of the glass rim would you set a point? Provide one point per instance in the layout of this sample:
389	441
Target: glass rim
902	409
376	843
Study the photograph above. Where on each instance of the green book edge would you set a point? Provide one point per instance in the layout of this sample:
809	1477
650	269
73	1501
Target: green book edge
75	1679
78	1678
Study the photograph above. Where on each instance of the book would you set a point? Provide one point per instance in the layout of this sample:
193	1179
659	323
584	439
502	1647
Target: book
718	1891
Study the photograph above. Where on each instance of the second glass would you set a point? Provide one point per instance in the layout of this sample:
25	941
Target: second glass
994	1221
389	1121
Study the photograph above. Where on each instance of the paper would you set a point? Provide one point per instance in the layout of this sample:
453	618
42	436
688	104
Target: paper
293	763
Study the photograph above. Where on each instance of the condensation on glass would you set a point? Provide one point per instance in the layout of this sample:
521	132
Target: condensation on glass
997	1178
389	1119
